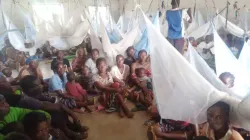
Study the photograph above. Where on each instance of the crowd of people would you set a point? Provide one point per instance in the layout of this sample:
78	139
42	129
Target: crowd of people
32	108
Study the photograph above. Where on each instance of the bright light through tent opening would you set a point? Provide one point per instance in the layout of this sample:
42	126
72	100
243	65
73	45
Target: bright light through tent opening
48	13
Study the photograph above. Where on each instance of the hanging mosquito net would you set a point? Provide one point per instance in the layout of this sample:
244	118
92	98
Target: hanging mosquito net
179	88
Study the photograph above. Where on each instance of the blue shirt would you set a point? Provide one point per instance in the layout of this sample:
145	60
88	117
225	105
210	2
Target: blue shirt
174	18
56	83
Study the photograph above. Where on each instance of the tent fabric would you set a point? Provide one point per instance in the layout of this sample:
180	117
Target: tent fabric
180	89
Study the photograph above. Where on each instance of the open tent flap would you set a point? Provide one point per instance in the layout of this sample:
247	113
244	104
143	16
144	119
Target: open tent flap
178	88
226	62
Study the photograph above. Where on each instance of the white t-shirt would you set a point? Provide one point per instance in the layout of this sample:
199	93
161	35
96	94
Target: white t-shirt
115	72
200	49
92	66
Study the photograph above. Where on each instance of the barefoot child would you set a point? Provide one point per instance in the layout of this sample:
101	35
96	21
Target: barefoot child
75	90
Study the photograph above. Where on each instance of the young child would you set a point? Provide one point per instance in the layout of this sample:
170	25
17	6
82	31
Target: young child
85	79
75	90
137	92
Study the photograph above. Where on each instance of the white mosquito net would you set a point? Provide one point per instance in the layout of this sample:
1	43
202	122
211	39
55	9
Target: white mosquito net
196	22
202	67
181	93
226	62
112	50
244	58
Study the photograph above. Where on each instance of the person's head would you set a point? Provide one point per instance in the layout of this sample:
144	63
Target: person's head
218	116
31	85
142	55
80	52
7	72
119	60
94	54
4	106
36	126
228	79
209	38
175	3
59	68
71	76
101	65
33	64
140	72
229	37
85	70
59	54
192	41
130	51
16	136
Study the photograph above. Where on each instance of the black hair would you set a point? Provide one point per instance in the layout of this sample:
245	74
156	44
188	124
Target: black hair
71	76
224	106
57	65
32	120
128	50
142	51
28	82
17	136
99	60
175	3
226	75
94	50
6	70
119	55
138	70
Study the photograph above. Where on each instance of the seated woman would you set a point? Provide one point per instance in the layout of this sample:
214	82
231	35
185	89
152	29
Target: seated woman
79	61
75	90
111	98
7	73
91	62
57	84
31	69
59	59
131	56
228	79
37	127
216	127
142	62
120	72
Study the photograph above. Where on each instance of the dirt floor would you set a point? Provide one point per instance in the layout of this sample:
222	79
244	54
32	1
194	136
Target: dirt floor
105	126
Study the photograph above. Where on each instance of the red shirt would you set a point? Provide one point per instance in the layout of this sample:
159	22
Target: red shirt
75	89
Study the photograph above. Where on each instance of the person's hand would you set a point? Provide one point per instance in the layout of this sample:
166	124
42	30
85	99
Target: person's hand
122	83
119	90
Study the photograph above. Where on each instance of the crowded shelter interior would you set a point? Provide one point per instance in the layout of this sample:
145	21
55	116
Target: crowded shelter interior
124	70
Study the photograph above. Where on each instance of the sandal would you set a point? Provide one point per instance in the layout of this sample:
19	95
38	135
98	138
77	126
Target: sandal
110	110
